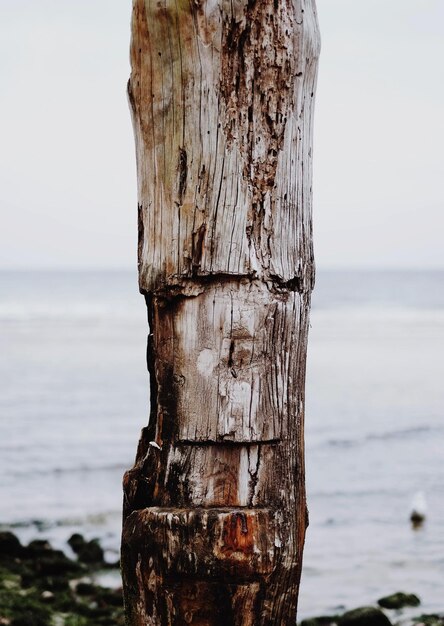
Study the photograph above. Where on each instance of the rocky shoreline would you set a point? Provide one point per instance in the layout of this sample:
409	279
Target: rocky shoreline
393	610
41	586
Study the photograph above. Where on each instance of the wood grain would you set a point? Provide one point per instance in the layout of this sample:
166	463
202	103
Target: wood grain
222	97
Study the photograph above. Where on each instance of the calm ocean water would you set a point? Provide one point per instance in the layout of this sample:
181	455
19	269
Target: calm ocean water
74	395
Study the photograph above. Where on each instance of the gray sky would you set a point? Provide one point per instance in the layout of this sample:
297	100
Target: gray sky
67	173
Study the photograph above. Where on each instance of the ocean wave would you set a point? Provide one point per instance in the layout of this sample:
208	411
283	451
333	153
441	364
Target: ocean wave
402	433
18	313
57	471
354	493
93	519
343	443
373	314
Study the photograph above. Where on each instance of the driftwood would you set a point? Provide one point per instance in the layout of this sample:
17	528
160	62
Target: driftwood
222	96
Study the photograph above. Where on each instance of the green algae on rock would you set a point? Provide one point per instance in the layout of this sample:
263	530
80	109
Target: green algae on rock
399	600
40	586
364	616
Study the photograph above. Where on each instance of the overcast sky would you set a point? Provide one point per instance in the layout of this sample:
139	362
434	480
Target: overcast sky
67	173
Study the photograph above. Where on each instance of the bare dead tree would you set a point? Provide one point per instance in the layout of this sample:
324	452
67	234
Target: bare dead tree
222	95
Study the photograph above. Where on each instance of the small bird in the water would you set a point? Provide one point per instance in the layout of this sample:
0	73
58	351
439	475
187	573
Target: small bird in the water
419	509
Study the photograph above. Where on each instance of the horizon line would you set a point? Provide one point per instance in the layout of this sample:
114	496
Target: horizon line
128	269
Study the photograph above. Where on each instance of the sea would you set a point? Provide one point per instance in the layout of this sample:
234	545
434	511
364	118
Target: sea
74	395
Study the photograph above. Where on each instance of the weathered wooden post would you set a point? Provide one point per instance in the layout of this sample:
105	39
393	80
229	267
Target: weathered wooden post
222	96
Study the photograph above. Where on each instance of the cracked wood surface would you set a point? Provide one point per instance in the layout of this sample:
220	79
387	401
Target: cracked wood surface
221	93
222	99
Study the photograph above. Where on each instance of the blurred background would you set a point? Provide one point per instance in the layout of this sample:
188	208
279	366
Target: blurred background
74	387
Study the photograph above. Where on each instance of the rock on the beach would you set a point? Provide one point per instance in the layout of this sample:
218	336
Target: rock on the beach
91	553
399	600
85	589
9	545
364	616
52	583
87	551
47	596
112	597
55	563
430	620
322	620
39	586
39	546
77	542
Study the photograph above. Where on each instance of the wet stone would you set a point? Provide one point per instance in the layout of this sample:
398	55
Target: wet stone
76	542
39	546
36	589
323	620
86	589
87	551
47	596
364	616
112	597
399	600
433	619
9	545
55	564
53	583
91	552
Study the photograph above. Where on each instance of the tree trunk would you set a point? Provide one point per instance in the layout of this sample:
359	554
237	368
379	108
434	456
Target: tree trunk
222	96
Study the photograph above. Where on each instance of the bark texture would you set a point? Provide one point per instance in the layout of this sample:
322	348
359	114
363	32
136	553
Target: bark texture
222	95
